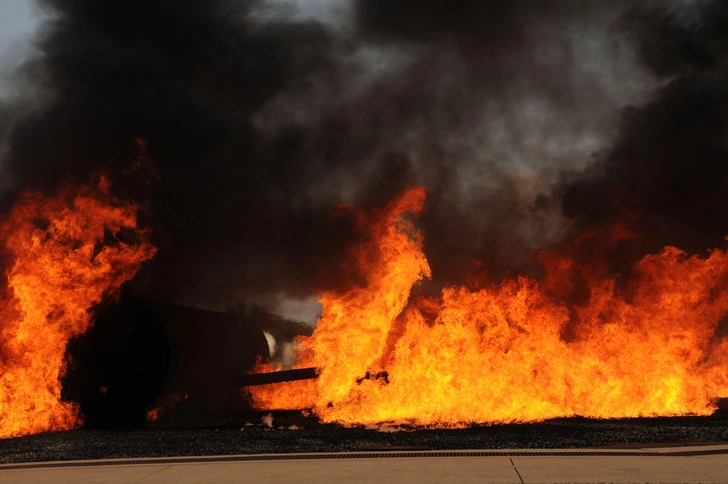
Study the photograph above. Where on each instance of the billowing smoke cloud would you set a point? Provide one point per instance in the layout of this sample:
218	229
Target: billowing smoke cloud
485	104
259	118
187	77
669	164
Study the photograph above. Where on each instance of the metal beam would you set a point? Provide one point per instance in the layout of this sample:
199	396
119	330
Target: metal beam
277	377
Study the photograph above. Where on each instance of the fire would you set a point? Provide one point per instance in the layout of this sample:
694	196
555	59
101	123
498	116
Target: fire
170	402
62	255
644	346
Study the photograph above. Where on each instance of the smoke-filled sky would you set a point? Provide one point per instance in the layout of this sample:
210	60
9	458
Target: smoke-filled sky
527	121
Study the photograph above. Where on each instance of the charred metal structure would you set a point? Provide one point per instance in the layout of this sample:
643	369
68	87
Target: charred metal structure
171	364
277	377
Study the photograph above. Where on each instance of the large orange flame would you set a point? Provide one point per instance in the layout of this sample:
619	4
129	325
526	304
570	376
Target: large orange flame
644	347
63	255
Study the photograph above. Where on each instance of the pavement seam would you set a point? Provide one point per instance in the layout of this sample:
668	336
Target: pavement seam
151	474
516	469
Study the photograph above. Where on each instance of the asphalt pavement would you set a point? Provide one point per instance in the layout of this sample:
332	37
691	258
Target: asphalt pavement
700	464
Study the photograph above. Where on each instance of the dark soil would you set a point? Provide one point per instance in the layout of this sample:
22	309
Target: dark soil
253	437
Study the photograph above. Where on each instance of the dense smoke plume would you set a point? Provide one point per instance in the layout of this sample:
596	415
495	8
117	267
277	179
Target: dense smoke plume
524	120
669	164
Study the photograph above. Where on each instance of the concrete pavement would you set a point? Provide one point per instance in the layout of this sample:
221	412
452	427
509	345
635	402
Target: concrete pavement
661	465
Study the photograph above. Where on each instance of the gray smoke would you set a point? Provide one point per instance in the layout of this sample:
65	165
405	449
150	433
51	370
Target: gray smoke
261	115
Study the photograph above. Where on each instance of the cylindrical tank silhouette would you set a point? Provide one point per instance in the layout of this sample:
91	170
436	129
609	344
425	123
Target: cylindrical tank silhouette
173	364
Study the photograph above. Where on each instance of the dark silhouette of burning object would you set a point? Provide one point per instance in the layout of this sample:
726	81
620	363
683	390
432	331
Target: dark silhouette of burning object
159	364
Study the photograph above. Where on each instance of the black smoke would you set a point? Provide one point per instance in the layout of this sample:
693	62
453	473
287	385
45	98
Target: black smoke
186	76
484	103
669	164
259	118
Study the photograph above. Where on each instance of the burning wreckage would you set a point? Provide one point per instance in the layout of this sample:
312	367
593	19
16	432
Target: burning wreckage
494	353
526	238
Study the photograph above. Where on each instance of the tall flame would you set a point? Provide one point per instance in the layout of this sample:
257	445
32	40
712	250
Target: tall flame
498	353
63	255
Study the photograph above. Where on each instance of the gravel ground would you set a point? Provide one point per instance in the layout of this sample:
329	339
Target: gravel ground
253	437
